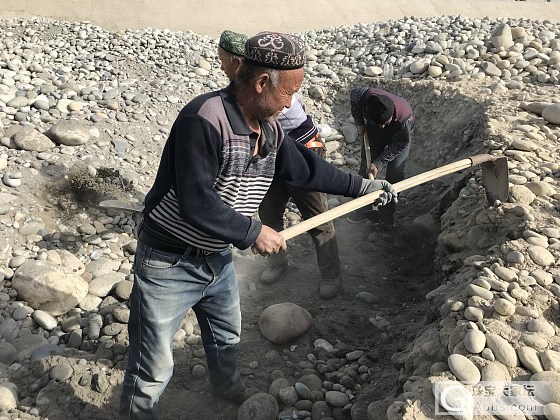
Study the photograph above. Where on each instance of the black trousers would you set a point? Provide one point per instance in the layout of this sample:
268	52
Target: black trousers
395	173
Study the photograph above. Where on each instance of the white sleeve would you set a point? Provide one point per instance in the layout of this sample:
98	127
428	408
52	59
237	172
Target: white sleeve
293	117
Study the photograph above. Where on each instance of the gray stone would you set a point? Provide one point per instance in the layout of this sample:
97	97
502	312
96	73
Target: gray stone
69	133
259	406
61	372
336	398
283	322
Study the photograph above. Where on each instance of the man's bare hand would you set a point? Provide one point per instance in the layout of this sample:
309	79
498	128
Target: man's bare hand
269	242
373	170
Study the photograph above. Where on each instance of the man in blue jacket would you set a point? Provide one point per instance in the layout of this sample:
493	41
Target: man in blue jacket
221	156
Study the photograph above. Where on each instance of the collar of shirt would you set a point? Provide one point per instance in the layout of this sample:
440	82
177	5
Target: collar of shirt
236	118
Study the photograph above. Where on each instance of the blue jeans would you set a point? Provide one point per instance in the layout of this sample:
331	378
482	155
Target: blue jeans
166	286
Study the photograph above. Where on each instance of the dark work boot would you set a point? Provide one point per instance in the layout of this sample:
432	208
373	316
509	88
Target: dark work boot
238	397
329	288
278	265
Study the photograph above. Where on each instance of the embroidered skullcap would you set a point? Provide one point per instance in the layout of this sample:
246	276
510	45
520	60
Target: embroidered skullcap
233	42
380	108
276	51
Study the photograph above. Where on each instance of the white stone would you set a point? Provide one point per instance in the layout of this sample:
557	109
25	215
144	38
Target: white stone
504	307
474	341
540	255
463	369
503	350
529	359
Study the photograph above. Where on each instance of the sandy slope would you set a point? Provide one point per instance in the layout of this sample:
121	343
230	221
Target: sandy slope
210	17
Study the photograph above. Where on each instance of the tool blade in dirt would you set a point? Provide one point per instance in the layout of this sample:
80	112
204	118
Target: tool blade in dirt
119	205
372	215
495	179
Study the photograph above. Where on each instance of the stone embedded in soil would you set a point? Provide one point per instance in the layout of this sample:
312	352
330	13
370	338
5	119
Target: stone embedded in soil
522	194
336	398
502	349
474	314
550	360
367	297
474	290
552	411
283	322
294	414
529	358
551	113
475	341
288	396
46	286
497	285
259	406
321	343
457	397
504	307
504	273
302	390
313	382
495	371
463	369
277	385
541	256
537	341
541	326
544	278
547	386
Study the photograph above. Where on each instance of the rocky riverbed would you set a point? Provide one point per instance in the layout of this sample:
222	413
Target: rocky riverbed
463	290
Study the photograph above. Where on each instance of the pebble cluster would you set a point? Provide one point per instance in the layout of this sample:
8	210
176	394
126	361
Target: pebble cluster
84	113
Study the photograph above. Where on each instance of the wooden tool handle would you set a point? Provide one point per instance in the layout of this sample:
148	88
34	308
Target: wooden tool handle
367	149
359	202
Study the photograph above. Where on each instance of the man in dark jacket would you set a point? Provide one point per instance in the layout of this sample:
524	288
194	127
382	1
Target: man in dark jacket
389	121
221	156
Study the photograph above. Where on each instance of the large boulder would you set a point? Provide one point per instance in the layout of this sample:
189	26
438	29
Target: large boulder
48	287
260	406
283	322
69	133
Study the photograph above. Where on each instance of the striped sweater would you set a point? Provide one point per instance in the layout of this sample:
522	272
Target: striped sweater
209	184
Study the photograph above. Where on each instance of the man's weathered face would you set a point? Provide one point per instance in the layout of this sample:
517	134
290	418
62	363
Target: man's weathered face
229	63
272	100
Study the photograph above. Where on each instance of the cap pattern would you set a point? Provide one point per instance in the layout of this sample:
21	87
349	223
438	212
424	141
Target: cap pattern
276	50
233	42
